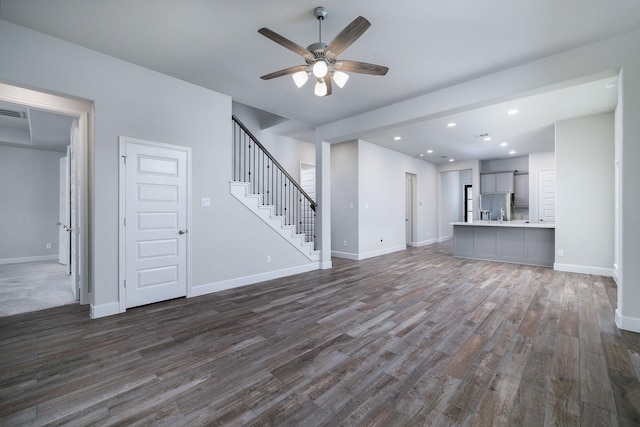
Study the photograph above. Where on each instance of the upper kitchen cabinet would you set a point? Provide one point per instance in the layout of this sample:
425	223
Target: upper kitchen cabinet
496	182
521	197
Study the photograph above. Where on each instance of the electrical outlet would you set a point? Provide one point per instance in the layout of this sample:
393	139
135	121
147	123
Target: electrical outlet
268	259
48	245
560	252
205	202
344	243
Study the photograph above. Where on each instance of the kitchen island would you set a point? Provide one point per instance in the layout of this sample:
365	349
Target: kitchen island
508	241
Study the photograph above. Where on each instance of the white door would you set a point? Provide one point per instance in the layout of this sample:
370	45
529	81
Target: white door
547	195
64	214
155	221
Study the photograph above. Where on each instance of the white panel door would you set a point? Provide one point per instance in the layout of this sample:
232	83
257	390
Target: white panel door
64	241
547	195
155	223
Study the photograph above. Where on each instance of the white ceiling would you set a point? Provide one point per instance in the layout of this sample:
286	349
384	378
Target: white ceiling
427	46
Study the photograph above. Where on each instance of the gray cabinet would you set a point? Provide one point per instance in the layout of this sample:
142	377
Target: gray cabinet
504	182
521	190
488	183
499	182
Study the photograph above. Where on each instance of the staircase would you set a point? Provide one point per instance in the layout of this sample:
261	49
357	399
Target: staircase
263	186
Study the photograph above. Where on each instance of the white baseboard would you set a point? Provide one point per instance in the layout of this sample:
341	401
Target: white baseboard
627	323
345	255
615	274
425	243
29	259
444	238
250	280
583	269
325	265
104	310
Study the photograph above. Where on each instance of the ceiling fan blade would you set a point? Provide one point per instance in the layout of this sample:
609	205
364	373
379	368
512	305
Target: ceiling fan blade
347	37
327	81
360	67
294	47
284	72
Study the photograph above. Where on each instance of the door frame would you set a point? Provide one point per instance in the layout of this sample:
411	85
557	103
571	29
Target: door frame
411	195
83	158
122	264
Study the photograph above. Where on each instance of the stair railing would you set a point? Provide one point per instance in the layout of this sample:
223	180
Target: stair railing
252	163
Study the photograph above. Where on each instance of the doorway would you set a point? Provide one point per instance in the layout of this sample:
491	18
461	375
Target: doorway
78	139
410	209
468	203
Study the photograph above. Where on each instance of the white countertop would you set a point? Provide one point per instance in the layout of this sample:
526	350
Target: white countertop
517	223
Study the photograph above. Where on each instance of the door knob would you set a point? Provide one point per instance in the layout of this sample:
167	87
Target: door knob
182	231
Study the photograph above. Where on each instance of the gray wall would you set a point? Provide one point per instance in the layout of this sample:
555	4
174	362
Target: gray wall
344	203
373	178
450	202
585	193
227	241
29	201
521	164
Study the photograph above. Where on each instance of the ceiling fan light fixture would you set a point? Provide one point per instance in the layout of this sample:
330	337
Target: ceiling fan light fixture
340	78
320	68
300	78
321	88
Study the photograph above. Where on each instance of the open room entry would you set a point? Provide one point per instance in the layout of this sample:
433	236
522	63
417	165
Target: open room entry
79	113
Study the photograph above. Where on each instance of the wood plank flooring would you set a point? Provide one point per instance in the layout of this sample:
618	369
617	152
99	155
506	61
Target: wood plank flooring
411	338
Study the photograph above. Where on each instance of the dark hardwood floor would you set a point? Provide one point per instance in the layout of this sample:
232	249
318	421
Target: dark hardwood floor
411	338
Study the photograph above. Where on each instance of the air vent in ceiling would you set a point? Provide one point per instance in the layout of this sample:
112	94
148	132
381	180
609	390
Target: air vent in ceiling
15	114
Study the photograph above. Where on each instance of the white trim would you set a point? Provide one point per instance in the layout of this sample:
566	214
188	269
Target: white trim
104	310
325	265
29	259
250	280
627	323
123	141
583	269
444	238
345	255
372	254
425	243
615	274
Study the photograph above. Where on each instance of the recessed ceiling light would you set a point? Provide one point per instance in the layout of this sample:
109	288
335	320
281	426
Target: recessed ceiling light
451	160
429	151
451	124
504	144
487	138
513	112
512	152
397	138
421	155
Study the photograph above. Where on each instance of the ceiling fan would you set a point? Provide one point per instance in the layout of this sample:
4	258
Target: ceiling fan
322	59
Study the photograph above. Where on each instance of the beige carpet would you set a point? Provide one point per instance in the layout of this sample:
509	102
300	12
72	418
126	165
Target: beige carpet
33	286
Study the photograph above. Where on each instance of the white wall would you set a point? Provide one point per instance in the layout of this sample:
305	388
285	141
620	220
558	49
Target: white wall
287	151
29	200
228	244
537	162
344	203
585	194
